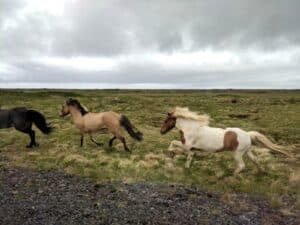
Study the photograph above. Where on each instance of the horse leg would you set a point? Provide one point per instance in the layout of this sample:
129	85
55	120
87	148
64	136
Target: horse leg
110	143
183	149
253	158
238	157
117	134
25	127
122	139
189	159
97	143
81	140
175	148
32	139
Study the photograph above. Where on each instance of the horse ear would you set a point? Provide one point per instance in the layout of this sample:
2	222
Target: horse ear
69	100
169	114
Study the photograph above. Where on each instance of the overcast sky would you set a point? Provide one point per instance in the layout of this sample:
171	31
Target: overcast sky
149	44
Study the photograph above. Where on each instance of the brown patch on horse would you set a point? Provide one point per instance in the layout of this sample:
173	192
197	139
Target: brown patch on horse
182	138
168	124
230	141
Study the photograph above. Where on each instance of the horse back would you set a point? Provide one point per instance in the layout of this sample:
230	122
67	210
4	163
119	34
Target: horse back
13	117
5	119
110	119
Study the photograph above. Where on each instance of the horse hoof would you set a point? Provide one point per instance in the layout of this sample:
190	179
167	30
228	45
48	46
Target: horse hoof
262	171
28	146
170	154
238	175
187	166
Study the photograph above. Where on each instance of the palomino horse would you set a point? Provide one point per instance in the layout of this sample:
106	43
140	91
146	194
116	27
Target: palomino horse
22	118
197	135
89	123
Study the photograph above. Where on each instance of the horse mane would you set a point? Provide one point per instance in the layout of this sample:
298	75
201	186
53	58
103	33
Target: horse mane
184	112
74	102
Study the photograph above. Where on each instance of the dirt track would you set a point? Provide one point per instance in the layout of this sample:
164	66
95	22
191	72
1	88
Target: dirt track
51	197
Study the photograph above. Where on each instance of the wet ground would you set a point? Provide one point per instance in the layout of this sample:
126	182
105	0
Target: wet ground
51	197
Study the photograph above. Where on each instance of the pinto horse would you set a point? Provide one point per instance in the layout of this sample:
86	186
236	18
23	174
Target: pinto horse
89	122
22	118
197	135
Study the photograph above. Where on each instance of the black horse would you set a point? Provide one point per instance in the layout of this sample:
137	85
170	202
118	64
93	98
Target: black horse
21	118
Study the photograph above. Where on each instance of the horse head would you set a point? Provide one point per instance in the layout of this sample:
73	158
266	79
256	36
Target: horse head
65	108
169	123
71	102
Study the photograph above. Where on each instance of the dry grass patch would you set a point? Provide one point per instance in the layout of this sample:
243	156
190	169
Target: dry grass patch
77	159
294	177
152	156
147	164
124	163
287	212
33	154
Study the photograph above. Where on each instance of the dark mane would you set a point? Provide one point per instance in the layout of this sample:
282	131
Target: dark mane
76	103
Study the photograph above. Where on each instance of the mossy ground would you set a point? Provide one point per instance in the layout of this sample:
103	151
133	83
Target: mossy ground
274	113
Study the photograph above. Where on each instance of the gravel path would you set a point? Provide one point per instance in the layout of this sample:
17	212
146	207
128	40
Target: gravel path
51	197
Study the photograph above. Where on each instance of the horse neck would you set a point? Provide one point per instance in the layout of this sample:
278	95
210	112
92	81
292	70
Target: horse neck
188	124
76	115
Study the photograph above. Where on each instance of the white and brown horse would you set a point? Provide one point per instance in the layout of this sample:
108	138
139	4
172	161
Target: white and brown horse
89	122
197	135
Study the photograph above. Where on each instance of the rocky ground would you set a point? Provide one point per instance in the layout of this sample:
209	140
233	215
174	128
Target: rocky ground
51	197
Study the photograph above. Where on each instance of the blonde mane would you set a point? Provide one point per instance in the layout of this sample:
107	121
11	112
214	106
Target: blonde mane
184	112
85	108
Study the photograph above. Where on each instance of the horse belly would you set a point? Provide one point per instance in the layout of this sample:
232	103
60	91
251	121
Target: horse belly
210	143
210	146
92	126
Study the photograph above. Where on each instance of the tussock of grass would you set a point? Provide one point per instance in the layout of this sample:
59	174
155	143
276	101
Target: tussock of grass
152	156
294	177
77	159
147	164
274	113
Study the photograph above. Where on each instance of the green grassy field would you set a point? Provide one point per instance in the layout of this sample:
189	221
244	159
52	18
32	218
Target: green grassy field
274	113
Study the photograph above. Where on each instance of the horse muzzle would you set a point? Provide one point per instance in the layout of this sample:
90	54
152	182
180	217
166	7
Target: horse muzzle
61	114
163	131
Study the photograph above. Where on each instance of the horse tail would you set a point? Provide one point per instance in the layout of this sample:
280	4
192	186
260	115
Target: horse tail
124	121
258	138
40	121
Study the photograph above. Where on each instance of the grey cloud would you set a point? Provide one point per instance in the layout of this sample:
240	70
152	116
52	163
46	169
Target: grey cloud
116	27
33	37
8	8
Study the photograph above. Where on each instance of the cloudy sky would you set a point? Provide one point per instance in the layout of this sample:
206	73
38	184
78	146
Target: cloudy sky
149	44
